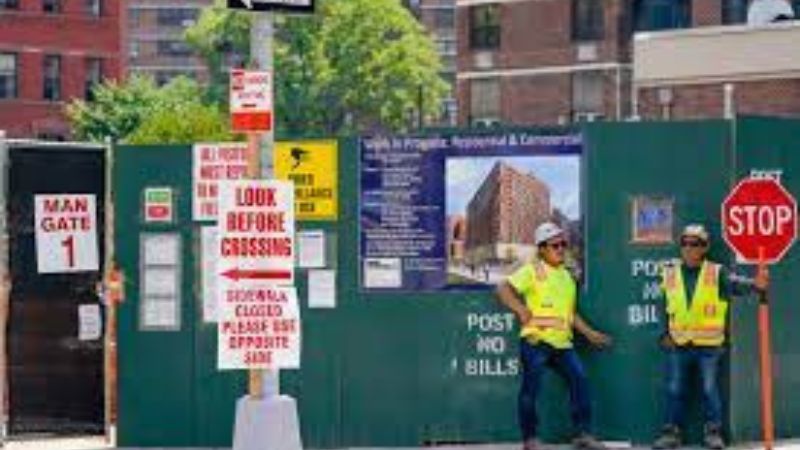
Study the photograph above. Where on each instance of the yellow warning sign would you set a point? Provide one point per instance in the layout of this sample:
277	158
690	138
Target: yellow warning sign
312	165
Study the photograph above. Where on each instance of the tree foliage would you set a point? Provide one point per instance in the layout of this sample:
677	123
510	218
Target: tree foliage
354	66
139	111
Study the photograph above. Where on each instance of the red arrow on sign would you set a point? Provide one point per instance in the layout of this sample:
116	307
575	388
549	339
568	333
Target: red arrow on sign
238	274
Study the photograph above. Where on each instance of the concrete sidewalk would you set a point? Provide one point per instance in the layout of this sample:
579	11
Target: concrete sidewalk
98	443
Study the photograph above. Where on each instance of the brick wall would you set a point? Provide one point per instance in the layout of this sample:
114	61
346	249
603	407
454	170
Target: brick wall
74	35
537	34
768	97
706	13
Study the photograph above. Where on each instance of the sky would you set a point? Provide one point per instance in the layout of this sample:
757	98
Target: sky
561	173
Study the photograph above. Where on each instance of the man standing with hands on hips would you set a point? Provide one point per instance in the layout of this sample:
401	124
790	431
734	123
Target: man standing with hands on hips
697	293
543	296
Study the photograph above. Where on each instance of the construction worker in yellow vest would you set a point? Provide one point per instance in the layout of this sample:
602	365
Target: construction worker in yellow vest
543	296
697	293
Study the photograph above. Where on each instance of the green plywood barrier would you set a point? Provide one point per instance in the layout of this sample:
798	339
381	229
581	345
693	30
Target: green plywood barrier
387	369
768	144
687	162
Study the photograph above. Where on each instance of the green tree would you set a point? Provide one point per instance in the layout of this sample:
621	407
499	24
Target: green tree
140	111
193	122
354	66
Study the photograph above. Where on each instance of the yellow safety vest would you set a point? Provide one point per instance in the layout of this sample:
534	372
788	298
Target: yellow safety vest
704	323
551	301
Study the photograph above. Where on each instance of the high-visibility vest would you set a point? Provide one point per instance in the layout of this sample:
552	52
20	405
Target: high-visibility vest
551	301
703	323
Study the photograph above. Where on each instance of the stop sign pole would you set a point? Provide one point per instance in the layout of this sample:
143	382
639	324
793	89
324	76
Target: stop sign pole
759	221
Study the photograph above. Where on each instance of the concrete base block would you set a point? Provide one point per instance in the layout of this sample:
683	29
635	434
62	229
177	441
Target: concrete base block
269	423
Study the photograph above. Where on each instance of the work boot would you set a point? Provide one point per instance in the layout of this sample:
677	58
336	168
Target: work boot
670	438
586	441
531	444
713	437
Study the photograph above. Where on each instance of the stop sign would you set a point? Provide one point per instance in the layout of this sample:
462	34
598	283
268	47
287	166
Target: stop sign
759	213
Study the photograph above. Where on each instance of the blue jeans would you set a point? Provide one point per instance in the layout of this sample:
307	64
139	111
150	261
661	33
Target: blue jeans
535	358
679	360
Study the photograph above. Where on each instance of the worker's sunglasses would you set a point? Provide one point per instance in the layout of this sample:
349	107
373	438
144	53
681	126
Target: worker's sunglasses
558	245
694	243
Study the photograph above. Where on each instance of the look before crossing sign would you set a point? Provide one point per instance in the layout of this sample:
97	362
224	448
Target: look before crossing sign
259	316
759	222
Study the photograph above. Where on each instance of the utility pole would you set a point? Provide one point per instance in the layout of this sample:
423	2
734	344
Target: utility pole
260	147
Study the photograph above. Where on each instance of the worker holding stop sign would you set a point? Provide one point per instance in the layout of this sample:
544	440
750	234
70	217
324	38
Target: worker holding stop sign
697	292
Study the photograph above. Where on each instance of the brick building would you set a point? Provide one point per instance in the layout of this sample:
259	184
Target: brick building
725	71
439	18
52	51
155	39
560	61
503	214
456	236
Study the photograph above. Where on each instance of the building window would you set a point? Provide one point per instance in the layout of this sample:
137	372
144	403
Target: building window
8	75
484	31
587	20
587	96
179	17
651	15
443	19
734	11
52	77
9	4
51	6
173	48
134	18
484	105
94	75
94	7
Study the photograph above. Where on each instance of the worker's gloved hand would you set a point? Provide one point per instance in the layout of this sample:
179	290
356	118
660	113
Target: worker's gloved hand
666	342
761	281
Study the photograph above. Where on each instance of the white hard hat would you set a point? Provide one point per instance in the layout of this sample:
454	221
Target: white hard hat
695	230
546	231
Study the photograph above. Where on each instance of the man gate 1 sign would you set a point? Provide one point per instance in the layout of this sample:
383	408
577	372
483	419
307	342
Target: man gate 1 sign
759	213
66	233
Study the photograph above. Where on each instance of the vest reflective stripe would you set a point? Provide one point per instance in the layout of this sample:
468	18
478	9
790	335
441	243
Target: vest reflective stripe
552	305
549	322
704	322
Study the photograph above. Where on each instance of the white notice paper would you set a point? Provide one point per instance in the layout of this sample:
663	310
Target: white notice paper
89	322
321	288
209	273
311	248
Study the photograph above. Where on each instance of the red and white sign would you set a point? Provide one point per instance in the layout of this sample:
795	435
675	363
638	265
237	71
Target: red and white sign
759	213
251	100
259	318
66	233
213	163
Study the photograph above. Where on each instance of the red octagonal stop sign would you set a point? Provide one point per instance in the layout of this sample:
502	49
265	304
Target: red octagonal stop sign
759	213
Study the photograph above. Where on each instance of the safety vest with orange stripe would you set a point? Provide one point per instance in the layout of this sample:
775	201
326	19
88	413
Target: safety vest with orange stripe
702	323
551	301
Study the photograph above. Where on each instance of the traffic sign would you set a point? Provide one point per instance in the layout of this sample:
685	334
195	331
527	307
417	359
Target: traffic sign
759	213
66	233
271	5
251	100
259	319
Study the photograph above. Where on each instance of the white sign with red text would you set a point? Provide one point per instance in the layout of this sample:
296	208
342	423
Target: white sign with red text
66	233
212	163
251	100
259	318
